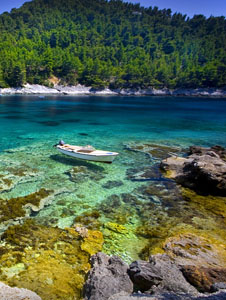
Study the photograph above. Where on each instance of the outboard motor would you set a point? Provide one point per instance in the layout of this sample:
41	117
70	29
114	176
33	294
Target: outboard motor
60	143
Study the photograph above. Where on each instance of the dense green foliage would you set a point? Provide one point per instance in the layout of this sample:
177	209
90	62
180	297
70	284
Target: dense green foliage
116	44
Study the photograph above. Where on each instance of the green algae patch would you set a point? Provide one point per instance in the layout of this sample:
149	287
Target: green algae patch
15	207
6	183
49	261
92	242
116	228
89	219
213	204
22	170
213	238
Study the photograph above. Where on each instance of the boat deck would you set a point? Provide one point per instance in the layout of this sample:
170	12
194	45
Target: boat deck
80	149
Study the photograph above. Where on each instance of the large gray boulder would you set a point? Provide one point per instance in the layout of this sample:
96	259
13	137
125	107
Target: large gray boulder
204	170
144	275
159	274
107	277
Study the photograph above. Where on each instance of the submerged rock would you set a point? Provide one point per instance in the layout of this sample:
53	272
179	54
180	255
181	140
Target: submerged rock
152	173
15	174
153	150
203	171
112	184
82	173
107	277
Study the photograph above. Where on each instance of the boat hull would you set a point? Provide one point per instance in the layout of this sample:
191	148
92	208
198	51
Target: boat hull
99	158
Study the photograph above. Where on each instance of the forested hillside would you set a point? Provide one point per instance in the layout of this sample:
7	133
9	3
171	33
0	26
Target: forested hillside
116	44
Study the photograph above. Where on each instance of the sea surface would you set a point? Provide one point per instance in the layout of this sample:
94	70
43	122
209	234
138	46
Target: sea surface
112	197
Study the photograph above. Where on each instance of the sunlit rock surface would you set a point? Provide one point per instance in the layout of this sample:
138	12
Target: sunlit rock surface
8	293
203	171
107	277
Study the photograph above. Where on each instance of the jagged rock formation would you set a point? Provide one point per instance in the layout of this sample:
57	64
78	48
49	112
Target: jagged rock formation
107	277
204	170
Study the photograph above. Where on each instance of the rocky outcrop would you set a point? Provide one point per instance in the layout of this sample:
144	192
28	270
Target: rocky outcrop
8	293
107	277
191	268
204	170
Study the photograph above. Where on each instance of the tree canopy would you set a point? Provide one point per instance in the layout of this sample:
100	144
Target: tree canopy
110	43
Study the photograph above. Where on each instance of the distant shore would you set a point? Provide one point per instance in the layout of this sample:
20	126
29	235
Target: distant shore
36	89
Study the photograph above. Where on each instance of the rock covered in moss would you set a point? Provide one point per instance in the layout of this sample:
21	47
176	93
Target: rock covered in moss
190	249
107	277
202	261
204	278
9	293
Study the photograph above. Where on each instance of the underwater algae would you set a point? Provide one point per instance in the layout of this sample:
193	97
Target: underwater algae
49	261
16	207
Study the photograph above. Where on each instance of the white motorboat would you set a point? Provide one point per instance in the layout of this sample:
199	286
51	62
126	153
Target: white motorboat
87	153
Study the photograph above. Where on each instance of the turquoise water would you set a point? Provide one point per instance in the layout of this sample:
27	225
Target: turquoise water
31	125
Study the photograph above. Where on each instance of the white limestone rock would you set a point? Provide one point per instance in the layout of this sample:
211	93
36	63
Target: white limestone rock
8	293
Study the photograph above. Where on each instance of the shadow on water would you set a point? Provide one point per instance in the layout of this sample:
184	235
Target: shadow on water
76	162
71	121
49	123
83	134
15	117
97	124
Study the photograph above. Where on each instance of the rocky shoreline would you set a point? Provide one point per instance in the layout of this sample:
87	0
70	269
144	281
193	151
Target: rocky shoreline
162	277
191	267
188	265
30	89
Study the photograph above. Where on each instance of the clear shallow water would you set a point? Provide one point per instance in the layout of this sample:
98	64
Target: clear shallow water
30	126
